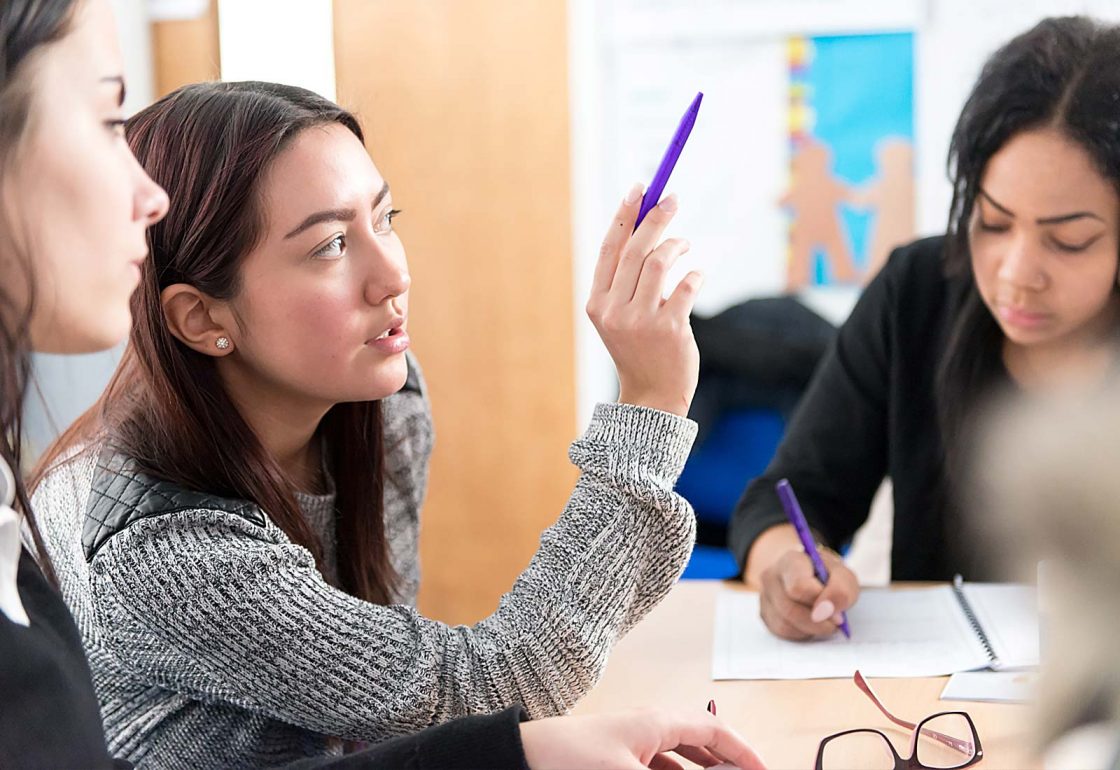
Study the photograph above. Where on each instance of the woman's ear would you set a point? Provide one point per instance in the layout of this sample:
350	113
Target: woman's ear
191	317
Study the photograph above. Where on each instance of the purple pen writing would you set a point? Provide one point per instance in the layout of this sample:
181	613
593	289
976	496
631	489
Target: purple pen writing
797	519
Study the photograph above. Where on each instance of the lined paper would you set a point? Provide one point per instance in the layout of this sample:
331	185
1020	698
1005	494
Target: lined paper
895	633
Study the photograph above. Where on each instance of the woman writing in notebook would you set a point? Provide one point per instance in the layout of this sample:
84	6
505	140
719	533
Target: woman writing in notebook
1020	294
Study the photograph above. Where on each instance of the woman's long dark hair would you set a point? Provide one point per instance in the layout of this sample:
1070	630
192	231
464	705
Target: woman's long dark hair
1065	74
209	145
25	27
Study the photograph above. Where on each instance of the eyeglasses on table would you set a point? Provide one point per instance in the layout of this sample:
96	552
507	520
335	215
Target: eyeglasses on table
943	741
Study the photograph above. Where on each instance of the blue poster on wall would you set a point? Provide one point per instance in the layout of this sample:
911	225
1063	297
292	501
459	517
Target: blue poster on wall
851	191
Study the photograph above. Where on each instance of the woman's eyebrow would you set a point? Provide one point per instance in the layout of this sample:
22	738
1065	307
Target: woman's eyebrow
1068	218
1055	220
118	80
329	215
380	195
335	215
992	201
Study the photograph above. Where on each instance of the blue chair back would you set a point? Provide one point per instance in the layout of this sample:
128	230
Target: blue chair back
738	448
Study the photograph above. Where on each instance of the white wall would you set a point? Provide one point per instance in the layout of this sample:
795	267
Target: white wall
283	41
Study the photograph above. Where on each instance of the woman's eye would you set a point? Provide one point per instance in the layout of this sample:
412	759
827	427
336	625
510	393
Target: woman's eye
116	126
332	249
1073	248
992	228
386	223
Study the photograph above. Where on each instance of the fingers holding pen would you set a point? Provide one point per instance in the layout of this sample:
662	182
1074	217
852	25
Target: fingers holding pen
641	246
651	280
617	237
841	591
650	340
794	604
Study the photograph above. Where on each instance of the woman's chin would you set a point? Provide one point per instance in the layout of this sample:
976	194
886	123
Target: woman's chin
69	337
1026	337
389	379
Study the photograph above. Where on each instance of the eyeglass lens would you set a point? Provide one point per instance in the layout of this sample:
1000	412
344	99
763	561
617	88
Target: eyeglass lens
945	741
866	749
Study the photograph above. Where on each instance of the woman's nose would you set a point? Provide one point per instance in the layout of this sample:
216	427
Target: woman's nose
1021	265
150	202
390	279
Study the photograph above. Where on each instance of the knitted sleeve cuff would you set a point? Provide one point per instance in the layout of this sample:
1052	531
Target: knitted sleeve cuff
656	441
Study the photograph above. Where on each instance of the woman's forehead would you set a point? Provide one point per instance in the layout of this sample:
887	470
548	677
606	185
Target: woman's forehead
1041	173
92	40
324	169
324	165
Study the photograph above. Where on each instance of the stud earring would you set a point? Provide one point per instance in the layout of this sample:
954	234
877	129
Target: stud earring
222	343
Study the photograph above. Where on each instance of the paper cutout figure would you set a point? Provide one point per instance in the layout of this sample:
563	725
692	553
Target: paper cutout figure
814	199
890	197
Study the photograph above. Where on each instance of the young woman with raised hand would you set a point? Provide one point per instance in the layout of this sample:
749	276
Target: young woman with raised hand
1020	295
75	205
247	491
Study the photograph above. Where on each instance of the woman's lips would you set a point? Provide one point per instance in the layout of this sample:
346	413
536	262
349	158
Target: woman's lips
395	340
1023	318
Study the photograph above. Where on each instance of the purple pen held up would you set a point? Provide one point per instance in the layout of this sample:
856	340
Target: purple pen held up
797	519
669	160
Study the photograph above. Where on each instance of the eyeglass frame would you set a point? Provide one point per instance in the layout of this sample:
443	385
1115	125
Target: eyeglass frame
911	762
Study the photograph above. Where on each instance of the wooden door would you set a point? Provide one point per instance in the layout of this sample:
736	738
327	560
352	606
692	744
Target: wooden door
185	51
465	107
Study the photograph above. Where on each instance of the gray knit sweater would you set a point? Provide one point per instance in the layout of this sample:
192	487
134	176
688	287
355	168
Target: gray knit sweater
217	643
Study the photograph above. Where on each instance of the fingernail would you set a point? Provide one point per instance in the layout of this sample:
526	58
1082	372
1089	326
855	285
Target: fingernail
668	204
823	610
634	194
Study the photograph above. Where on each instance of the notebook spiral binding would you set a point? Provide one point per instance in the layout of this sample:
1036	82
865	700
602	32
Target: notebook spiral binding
958	584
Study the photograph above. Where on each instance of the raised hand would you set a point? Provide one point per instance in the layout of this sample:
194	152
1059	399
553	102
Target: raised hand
649	338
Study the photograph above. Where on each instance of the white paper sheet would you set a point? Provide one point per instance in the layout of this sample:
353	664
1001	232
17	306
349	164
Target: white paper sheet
895	633
991	686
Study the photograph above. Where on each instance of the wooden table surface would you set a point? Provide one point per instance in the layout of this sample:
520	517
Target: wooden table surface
666	662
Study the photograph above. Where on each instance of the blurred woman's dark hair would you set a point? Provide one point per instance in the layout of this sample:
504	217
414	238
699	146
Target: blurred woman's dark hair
26	26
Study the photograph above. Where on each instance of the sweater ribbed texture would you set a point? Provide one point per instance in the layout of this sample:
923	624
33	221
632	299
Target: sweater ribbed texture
217	643
319	513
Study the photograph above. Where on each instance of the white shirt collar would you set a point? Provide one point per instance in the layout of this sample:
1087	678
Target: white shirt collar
10	547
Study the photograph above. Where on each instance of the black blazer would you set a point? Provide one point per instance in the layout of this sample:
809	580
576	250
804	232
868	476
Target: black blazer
49	716
870	412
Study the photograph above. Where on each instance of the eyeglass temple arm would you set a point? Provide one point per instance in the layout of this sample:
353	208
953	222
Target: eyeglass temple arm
963	746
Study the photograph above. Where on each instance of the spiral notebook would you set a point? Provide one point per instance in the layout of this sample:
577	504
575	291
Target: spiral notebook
895	633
